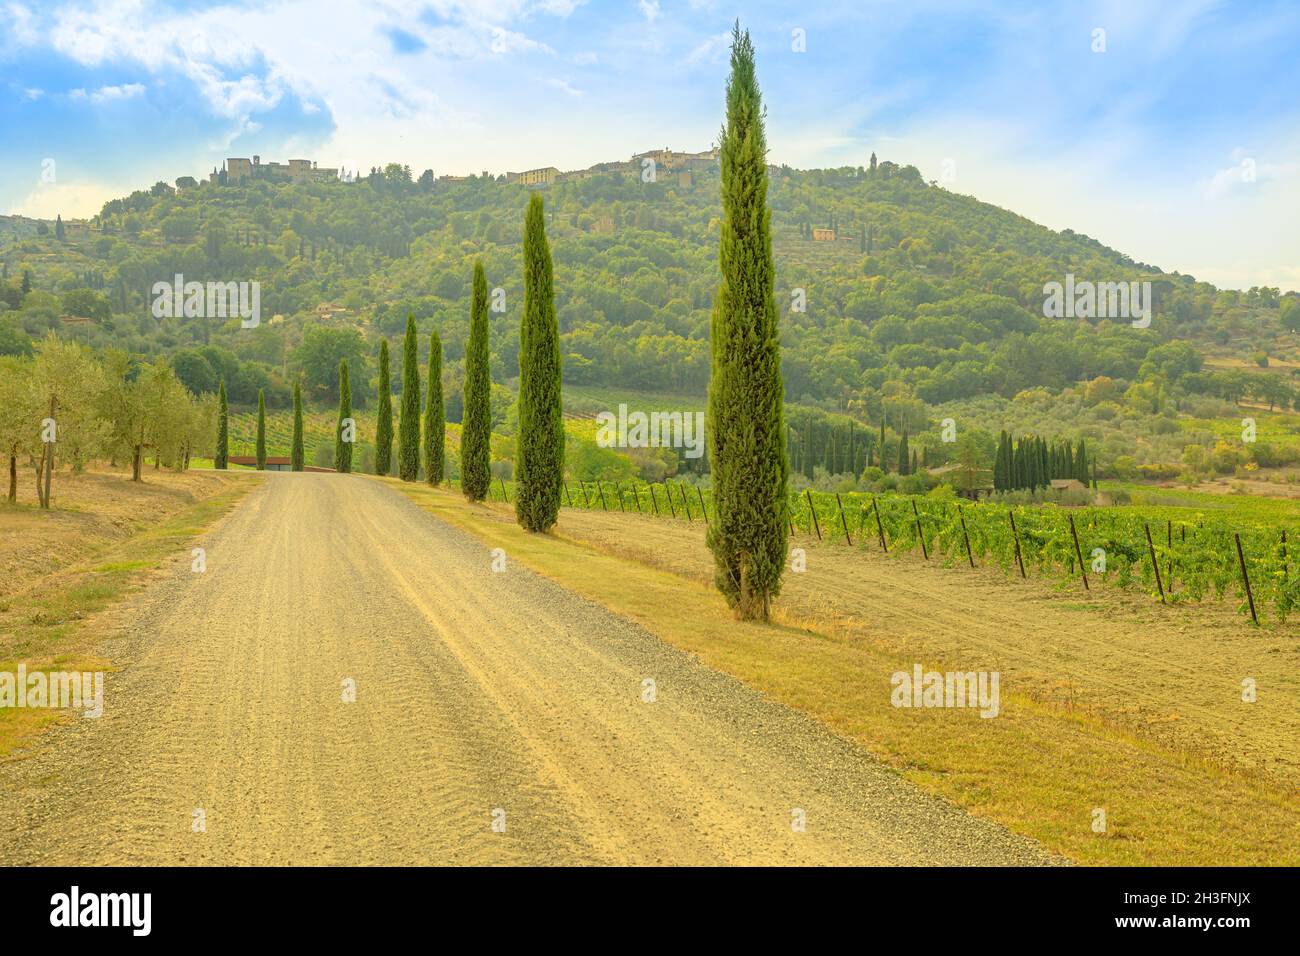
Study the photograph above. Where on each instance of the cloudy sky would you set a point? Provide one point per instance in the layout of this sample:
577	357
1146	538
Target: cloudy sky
1166	130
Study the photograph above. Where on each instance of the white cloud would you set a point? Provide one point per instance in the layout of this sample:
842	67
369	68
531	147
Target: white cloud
563	85
711	50
70	200
108	94
649	9
1247	173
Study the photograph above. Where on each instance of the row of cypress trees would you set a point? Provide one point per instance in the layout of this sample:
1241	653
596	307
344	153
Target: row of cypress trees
411	452
746	427
1033	463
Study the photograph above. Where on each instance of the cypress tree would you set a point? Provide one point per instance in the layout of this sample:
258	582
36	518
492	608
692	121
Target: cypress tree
384	426
342	448
222	455
745	415
903	460
261	429
476	421
296	456
883	465
434	425
408	435
540	455
999	472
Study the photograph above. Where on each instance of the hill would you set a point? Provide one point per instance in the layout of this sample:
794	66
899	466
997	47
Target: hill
923	300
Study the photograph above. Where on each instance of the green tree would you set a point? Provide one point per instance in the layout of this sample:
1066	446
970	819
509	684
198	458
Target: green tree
476	420
384	423
540	456
261	429
747	453
222	454
408	435
435	428
346	429
296	455
904	462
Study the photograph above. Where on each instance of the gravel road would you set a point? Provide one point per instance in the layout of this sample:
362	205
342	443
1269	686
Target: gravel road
498	719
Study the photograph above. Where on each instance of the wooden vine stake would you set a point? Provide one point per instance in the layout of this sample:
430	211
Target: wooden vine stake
880	528
703	510
686	504
1286	571
1156	564
654	501
636	497
566	494
586	502
920	535
1245	579
503	489
1015	536
1169	543
813	513
962	516
1078	553
601	489
843	523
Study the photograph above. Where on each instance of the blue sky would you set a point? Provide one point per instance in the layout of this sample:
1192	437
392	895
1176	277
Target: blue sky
1177	143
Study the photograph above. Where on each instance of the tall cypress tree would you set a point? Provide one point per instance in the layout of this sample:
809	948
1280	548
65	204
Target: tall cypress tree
904	462
384	426
408	434
476	421
746	415
540	456
221	456
261	429
296	455
435	427
343	448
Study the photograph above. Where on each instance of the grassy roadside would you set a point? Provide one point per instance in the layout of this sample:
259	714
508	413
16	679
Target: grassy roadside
52	625
1033	769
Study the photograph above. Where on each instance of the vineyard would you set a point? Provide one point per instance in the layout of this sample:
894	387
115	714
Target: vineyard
1174	554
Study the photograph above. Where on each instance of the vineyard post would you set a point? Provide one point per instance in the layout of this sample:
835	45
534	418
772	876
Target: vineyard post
1169	543
686	504
636	498
843	523
962	515
1078	553
1245	579
813	512
1286	571
503	489
1156	564
654	501
668	493
586	502
880	528
566	494
703	510
601	489
920	535
619	489
1015	536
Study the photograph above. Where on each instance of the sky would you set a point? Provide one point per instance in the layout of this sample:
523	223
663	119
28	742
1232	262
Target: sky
1168	131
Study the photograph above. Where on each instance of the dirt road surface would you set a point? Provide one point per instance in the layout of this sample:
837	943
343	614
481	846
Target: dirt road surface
498	719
